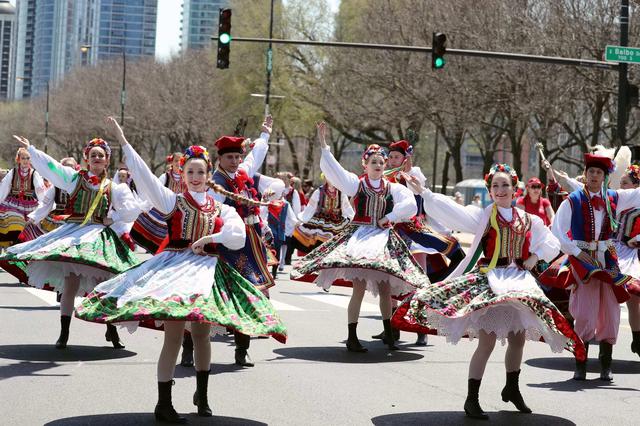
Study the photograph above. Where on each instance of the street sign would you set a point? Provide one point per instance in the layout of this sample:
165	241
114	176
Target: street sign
622	54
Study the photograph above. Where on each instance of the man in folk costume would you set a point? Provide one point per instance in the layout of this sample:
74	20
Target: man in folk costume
240	176
585	225
281	220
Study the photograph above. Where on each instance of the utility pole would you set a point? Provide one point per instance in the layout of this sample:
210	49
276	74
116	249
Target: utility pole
623	82
269	63
46	122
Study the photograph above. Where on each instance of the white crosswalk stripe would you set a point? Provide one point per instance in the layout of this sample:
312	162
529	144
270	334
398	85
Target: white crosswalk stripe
341	301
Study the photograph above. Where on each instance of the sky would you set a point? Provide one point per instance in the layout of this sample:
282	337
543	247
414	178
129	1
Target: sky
168	26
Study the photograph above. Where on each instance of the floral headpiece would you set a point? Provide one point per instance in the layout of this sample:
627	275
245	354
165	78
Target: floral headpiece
501	168
196	151
374	149
633	171
169	159
99	143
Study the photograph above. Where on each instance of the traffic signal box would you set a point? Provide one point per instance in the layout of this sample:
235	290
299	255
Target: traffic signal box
224	38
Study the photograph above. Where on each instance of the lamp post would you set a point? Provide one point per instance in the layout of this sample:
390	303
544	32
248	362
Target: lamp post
123	93
46	115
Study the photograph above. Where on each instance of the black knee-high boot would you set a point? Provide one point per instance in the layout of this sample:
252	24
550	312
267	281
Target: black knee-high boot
635	344
511	392
472	403
242	346
200	397
112	336
164	411
65	321
187	351
389	335
581	366
605	356
353	344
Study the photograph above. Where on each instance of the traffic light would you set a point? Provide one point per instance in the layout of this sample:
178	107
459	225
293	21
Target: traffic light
224	38
439	48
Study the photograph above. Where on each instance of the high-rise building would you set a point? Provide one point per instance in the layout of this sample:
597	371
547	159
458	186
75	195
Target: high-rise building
56	35
199	22
7	36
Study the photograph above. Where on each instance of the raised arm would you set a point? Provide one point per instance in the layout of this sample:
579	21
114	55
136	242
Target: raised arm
60	176
162	198
253	161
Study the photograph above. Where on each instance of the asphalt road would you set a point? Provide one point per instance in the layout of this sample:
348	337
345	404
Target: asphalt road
311	380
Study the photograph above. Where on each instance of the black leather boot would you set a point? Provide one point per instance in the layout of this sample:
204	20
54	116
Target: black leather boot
65	321
353	344
164	411
635	344
389	337
421	340
472	404
242	345
379	335
112	336
605	357
200	397
511	392
187	351
581	367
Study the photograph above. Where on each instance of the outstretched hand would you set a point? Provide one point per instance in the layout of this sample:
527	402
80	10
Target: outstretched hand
413	183
23	141
115	129
322	133
267	125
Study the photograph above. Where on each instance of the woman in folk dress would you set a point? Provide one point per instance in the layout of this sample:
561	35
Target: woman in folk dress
491	295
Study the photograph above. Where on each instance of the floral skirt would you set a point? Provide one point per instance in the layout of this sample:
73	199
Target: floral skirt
13	218
94	252
183	286
377	256
318	230
505	300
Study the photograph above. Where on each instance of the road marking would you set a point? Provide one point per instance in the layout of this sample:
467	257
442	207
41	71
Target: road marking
341	301
49	297
281	306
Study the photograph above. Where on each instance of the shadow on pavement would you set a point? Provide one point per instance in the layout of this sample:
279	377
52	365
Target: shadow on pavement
32	308
27	368
182	372
458	418
593	366
72	353
377	354
125	419
592	382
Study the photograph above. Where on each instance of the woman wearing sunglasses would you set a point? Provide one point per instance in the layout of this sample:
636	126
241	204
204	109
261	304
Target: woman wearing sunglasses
534	203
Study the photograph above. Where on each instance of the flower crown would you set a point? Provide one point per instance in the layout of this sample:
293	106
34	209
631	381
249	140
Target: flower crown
196	151
96	142
501	168
373	150
633	171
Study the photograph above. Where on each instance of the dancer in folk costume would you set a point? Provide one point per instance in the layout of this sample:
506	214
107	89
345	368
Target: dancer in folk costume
438	254
50	211
281	221
149	231
240	176
589	215
627	244
75	257
368	253
187	282
491	295
20	191
327	214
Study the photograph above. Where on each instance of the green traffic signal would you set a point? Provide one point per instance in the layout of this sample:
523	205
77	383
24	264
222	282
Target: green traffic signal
224	38
439	62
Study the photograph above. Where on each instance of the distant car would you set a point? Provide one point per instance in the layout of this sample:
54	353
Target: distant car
470	187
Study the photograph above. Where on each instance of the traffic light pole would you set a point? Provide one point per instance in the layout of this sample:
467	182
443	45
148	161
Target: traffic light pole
269	63
623	82
576	62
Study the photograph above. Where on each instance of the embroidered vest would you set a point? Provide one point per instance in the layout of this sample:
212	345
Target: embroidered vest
61	198
176	186
277	219
243	188
371	206
82	197
329	206
22	187
515	240
188	222
582	217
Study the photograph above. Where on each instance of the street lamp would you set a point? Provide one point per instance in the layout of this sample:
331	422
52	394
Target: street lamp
46	115
123	93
